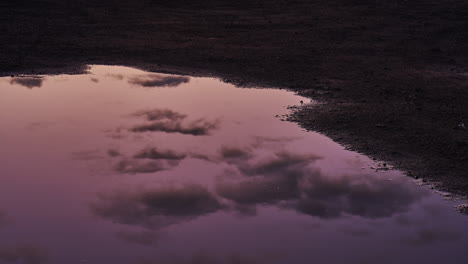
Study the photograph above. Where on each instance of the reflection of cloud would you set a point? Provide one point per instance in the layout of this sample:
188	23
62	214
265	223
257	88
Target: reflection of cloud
283	179
164	120
160	114
155	154
362	195
29	82
113	153
158	80
269	180
201	157
148	160
144	238
325	198
429	236
22	254
259	190
229	152
156	208
280	162
287	179
196	128
136	166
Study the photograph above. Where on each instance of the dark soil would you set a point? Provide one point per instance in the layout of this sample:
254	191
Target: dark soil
391	76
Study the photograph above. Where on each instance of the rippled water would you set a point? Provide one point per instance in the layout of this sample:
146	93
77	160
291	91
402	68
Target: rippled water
125	166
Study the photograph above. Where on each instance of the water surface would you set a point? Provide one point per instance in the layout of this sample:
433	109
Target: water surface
125	166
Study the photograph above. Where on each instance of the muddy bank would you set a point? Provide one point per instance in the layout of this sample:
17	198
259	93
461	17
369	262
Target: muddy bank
391	76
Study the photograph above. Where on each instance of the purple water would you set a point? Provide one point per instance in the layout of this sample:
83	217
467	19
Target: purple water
125	166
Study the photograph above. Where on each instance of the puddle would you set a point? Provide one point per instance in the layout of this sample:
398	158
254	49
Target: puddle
125	166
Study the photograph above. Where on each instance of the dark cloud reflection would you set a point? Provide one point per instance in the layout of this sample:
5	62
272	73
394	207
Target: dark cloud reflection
156	154
278	163
133	166
361	195
158	80
160	114
113	153
290	181
164	120
231	153
156	208
271	180
260	190
28	82
148	160
198	127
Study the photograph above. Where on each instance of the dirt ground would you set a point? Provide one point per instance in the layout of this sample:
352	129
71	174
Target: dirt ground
390	76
